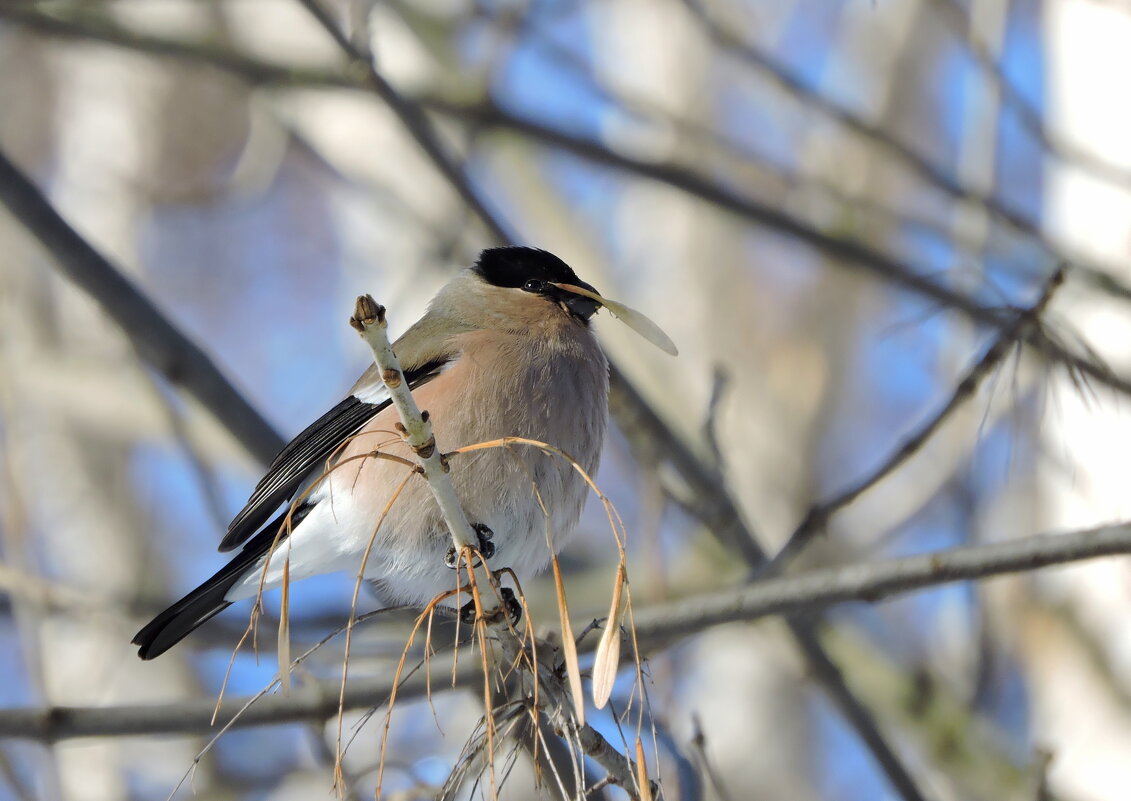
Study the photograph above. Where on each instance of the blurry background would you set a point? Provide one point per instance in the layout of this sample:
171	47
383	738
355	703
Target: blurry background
822	201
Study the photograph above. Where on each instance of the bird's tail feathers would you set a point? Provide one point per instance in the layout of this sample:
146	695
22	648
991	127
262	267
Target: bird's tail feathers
206	601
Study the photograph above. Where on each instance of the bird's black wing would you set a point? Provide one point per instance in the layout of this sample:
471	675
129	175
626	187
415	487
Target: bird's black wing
309	451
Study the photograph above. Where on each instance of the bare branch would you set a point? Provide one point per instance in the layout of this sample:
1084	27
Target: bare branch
818	516
314	700
369	320
157	341
417	125
874	581
656	626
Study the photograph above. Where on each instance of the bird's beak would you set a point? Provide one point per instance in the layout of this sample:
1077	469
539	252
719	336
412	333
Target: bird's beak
581	299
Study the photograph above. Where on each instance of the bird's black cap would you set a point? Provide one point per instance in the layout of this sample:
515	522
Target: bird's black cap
514	266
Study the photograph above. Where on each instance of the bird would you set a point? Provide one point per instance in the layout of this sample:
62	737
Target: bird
505	349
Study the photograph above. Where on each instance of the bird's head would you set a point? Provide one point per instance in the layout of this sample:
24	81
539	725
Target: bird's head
540	274
520	288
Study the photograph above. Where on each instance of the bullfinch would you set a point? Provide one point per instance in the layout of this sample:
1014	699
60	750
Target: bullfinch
505	349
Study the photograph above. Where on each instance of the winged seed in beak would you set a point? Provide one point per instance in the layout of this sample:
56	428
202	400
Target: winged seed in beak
630	317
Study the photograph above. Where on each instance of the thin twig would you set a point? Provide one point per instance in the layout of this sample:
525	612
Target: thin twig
558	707
417	125
818	515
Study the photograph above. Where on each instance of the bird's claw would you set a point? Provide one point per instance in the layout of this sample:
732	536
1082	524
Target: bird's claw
511	605
486	547
486	535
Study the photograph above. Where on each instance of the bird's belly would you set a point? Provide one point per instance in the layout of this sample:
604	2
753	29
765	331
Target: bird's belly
400	543
497	488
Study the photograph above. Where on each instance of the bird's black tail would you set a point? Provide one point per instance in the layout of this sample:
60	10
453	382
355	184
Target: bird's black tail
175	623
206	601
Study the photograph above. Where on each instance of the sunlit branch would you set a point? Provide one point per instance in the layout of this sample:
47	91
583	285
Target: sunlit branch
369	320
877	580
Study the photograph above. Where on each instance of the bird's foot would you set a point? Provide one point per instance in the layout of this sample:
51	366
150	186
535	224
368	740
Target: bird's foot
510	605
486	547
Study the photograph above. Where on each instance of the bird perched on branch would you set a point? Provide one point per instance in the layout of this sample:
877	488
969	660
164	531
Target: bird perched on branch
505	349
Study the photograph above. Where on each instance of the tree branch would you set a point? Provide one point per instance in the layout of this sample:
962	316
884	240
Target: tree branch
417	125
874	581
159	342
818	516
369	321
315	700
656	626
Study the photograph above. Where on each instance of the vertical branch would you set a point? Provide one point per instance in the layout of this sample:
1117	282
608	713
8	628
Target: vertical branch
369	320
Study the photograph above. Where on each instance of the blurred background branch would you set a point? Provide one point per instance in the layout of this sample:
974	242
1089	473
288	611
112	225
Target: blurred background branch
718	164
655	627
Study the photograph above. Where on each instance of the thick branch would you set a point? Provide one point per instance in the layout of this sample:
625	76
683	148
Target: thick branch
875	581
309	701
656	626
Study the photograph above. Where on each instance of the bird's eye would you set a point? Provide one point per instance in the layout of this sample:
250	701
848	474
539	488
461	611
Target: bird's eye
534	285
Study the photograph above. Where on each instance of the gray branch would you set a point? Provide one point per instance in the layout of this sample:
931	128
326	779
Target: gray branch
874	581
311	701
159	343
656	627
